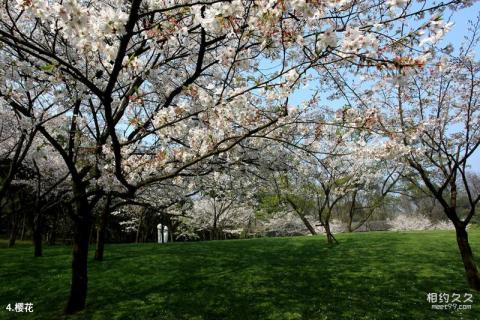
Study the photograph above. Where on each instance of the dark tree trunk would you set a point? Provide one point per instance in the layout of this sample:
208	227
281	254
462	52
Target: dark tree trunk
471	271
14	229
13	237
22	234
102	230
170	231
37	230
100	248
349	225
351	212
37	241
137	236
330	237
53	236
82	228
328	232
162	235
213	232
52	239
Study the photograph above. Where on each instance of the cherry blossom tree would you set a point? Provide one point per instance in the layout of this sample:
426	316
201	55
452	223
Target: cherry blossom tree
48	185
321	160
35	167
16	139
368	199
428	116
14	145
165	203
225	203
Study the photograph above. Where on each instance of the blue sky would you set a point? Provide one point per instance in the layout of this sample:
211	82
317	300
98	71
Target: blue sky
456	36
460	20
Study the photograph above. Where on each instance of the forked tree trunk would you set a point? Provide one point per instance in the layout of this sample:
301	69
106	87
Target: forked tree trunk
471	271
78	287
330	237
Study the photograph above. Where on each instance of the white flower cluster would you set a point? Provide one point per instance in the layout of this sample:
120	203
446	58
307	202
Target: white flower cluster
328	39
357	41
215	18
90	29
436	30
405	222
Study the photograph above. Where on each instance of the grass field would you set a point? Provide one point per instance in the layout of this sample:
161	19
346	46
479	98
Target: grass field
368	276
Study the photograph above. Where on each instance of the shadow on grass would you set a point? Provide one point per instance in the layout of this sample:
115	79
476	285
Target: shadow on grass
367	276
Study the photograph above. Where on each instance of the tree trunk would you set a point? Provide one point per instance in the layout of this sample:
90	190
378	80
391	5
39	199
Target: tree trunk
328	232
13	237
37	240
307	224
82	228
102	230
351	212
302	216
99	249
137	236
53	234
14	229
37	228
22	234
349	224
170	234
162	230
473	276
330	237
91	236
213	232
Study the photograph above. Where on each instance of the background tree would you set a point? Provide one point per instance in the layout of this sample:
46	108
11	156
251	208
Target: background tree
429	116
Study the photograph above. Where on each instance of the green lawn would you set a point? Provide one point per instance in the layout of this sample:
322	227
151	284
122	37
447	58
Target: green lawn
368	276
